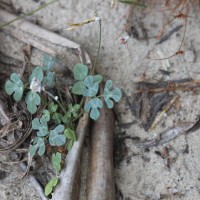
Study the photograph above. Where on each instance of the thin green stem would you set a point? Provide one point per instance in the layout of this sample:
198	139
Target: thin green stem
61	107
99	96
78	116
99	46
56	101
60	96
27	14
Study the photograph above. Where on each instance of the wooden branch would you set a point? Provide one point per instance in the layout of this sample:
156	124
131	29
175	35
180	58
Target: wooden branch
101	173
41	38
69	186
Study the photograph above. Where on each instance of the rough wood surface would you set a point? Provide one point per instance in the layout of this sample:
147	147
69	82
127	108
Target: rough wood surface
101	172
41	38
69	186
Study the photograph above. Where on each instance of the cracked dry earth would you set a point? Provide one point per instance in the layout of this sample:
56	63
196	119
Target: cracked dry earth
166	171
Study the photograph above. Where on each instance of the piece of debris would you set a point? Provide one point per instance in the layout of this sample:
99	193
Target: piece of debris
169	135
153	99
169	34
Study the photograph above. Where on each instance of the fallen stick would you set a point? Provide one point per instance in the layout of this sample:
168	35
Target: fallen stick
41	38
185	86
169	134
100	185
69	186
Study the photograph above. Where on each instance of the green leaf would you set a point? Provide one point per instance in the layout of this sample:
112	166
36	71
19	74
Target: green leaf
70	145
70	135
56	161
48	62
94	104
92	87
41	126
57	117
46	115
36	73
108	94
38	146
52	107
49	79
50	185
56	139
97	78
32	101
73	110
78	88
66	118
16	86
80	72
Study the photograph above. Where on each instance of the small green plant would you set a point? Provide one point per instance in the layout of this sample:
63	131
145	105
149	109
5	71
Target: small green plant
55	126
16	87
53	121
56	162
88	86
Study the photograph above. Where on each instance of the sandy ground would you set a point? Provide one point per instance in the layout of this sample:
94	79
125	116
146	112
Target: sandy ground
141	174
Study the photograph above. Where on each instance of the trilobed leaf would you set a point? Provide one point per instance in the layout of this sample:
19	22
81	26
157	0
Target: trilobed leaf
97	78
49	79
80	72
52	107
32	101
48	62
41	126
56	139
36	73
15	85
46	115
92	87
94	104
57	118
78	88
37	147
73	110
109	94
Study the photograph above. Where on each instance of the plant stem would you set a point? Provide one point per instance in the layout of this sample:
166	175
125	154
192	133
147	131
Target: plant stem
61	106
78	116
60	96
97	57
99	96
27	14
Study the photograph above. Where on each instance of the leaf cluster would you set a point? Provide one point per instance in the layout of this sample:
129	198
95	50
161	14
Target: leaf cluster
56	162
40	77
88	86
54	137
